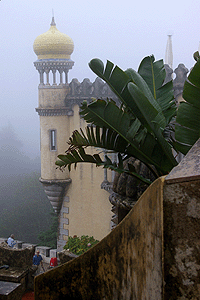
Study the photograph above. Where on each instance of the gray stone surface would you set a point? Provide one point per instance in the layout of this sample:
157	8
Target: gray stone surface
19	258
53	253
10	290
19	244
65	256
181	75
43	250
27	245
13	274
189	168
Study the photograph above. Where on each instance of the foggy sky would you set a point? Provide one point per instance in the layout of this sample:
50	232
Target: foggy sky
121	31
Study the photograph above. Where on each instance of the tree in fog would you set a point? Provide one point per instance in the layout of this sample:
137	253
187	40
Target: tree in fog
25	209
13	161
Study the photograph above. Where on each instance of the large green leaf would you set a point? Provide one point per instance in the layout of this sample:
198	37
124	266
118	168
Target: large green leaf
117	80
143	92
153	72
194	76
154	120
79	156
149	79
157	109
143	86
148	111
187	129
116	119
104	138
106	114
136	128
111	116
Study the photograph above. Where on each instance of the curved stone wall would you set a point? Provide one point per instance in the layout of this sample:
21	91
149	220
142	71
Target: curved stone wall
126	264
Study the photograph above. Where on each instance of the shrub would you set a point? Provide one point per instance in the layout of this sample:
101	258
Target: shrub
79	245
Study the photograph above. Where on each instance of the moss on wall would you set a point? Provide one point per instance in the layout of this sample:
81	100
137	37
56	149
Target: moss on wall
126	264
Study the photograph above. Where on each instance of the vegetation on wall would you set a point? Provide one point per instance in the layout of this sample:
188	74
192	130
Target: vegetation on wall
79	245
142	126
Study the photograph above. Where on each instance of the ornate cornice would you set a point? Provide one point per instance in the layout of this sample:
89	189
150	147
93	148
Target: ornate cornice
54	111
55	181
53	64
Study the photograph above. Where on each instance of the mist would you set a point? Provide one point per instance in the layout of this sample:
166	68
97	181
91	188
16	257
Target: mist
123	32
14	160
25	210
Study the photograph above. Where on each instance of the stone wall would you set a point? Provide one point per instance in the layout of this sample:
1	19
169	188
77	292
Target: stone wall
19	258
23	251
152	254
182	229
126	264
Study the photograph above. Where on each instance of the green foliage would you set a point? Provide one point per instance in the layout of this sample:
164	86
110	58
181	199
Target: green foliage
79	245
48	238
141	127
187	129
138	128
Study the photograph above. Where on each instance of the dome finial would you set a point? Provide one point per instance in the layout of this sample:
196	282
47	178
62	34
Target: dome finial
53	44
53	21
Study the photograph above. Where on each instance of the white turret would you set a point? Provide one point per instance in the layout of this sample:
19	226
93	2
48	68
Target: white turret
169	53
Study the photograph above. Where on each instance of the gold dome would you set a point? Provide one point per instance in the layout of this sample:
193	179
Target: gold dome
53	44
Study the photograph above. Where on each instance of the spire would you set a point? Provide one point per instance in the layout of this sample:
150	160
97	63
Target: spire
53	21
168	53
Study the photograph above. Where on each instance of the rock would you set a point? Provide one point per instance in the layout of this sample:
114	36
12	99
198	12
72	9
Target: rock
66	256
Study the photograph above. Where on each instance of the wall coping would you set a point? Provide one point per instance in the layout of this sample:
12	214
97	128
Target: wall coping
189	167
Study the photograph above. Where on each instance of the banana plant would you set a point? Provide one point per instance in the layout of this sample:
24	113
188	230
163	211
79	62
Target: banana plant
136	128
187	129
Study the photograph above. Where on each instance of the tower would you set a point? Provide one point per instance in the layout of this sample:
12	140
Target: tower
169	53
82	206
53	49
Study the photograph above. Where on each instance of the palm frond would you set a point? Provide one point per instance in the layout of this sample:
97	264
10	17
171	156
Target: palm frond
80	156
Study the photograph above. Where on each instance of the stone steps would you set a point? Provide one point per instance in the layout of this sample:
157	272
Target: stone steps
10	290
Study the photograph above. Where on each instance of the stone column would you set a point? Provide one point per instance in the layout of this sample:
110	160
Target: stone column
47	77
54	77
61	81
66	77
41	72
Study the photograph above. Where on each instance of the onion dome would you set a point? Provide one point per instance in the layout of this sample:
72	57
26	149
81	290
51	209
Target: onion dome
53	44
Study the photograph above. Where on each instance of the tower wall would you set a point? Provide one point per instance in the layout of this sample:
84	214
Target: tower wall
83	207
86	209
52	97
51	101
48	157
